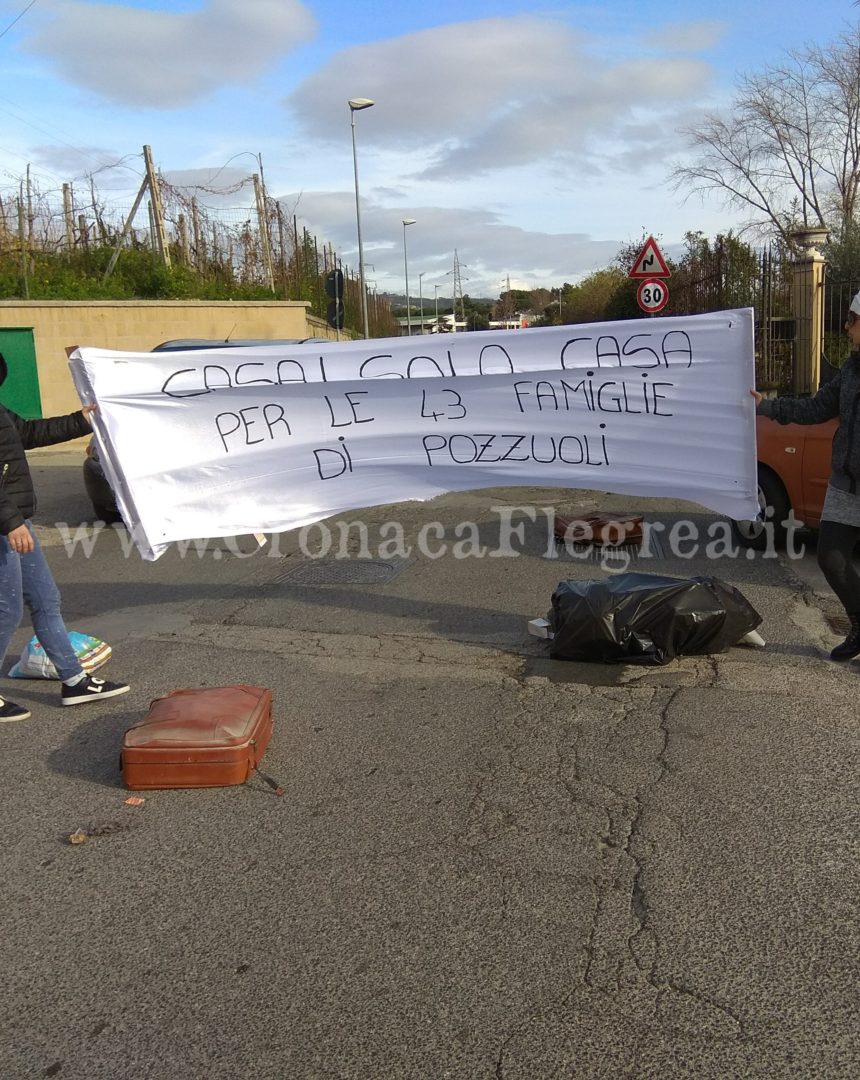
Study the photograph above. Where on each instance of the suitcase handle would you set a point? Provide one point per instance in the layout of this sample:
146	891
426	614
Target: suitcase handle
276	787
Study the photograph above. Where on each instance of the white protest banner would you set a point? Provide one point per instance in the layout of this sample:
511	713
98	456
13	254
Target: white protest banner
249	440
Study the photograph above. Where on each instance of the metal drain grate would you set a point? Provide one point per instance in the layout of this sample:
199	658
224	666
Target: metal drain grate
619	556
318	573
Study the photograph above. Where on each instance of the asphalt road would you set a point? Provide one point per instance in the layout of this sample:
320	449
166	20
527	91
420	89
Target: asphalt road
487	864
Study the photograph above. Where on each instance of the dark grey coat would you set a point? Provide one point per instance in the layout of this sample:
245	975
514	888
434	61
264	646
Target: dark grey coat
17	497
839	397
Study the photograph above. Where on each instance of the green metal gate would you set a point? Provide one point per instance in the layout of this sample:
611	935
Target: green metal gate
20	391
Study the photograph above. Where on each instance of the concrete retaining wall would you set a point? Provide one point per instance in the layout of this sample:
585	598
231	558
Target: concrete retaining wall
140	325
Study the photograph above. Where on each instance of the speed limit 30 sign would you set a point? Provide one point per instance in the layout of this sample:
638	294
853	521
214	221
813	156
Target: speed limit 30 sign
652	295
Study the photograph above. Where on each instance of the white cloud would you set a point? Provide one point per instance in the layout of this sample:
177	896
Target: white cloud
485	245
688	36
430	82
489	94
161	59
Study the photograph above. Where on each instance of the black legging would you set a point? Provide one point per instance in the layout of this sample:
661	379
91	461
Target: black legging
836	544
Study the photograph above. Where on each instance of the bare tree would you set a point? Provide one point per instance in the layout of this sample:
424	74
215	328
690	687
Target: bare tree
788	150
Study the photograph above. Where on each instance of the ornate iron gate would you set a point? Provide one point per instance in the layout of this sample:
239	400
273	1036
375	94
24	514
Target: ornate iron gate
838	293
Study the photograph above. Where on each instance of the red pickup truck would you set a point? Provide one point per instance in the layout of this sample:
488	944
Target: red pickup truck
793	470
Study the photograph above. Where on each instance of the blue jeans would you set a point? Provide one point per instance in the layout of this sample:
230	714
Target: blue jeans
28	579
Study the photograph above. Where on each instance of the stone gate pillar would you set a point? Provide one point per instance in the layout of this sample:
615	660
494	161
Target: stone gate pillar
807	302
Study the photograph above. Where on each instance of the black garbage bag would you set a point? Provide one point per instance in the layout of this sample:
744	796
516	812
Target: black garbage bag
646	618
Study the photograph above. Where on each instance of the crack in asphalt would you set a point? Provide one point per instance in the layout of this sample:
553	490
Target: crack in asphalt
638	895
623	840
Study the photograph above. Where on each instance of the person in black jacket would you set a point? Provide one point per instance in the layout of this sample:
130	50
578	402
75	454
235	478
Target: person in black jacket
840	517
25	577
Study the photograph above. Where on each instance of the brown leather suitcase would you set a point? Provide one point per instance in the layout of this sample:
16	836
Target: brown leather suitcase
211	737
606	529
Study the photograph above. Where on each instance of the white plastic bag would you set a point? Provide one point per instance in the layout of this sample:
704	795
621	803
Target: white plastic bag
34	663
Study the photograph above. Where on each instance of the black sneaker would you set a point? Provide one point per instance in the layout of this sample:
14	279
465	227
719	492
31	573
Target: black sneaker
850	647
10	711
92	689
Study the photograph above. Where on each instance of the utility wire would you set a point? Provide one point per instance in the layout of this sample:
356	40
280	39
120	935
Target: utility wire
54	137
21	119
17	17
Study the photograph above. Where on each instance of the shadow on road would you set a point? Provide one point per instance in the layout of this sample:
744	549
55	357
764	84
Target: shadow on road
91	752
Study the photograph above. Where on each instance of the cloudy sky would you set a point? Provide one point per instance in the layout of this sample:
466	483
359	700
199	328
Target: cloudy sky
534	140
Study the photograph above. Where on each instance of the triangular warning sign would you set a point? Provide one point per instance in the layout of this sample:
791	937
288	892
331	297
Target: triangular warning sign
650	262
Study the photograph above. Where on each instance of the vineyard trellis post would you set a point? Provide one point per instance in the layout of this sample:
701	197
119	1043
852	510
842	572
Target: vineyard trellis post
69	217
183	239
282	243
156	208
30	216
263	224
296	258
199	253
125	229
153	238
24	256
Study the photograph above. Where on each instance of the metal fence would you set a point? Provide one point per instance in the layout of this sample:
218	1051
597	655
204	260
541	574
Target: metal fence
838	293
731	275
264	247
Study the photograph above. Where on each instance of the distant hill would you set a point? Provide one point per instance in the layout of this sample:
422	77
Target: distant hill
399	299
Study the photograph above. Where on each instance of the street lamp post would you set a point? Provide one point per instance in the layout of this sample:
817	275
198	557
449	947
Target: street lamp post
436	305
407	221
421	298
355	105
